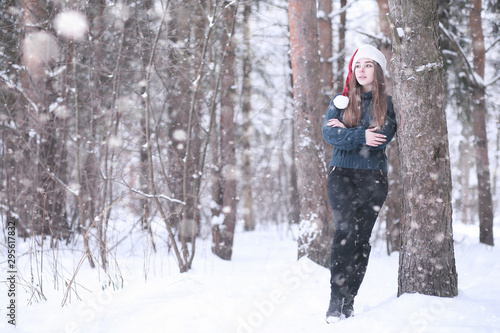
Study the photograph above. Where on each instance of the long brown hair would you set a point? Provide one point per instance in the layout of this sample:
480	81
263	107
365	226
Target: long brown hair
352	114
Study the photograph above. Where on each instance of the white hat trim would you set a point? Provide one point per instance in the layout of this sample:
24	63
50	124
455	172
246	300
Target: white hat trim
370	52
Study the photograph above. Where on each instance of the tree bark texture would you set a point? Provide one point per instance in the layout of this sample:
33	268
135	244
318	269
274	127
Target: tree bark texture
294	199
326	50
339	79
427	260
326	56
247	172
182	159
316	227
223	234
485	207
385	42
393	201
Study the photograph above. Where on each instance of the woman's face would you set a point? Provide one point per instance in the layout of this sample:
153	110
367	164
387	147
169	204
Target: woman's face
365	72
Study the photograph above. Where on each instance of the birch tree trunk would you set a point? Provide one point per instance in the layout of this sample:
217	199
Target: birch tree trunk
316	227
426	260
485	207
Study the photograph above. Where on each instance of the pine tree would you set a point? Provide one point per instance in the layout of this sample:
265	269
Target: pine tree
427	260
316	227
479	116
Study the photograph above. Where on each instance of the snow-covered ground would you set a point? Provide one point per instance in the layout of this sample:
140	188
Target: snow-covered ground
263	289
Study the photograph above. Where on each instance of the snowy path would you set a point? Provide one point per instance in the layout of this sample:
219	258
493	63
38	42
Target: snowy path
264	289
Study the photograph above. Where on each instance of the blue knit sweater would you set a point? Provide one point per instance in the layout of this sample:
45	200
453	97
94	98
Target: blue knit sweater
349	144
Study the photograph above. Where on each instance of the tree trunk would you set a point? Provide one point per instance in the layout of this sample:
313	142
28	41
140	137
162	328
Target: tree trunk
485	207
15	159
385	43
326	55
339	80
325	50
246	159
294	199
464	164
316	227
223	234
178	122
393	201
39	51
426	260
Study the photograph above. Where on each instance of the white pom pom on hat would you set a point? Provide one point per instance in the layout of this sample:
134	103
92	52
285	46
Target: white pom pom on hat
364	51
341	102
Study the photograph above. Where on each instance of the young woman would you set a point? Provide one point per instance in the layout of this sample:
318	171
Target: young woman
359	124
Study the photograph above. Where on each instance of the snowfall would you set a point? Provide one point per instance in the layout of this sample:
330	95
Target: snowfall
264	288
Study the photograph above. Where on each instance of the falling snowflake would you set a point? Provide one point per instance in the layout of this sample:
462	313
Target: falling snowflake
71	25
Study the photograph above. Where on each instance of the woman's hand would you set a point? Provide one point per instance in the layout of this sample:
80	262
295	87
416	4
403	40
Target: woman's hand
335	123
374	139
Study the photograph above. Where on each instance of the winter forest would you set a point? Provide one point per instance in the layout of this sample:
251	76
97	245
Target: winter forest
162	167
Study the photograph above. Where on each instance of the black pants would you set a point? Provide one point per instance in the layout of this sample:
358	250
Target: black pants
356	197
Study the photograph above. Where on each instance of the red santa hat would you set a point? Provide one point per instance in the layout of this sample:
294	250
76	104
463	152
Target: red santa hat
365	51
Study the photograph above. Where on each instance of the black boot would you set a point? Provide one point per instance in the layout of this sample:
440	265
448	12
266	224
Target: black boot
348	307
334	310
